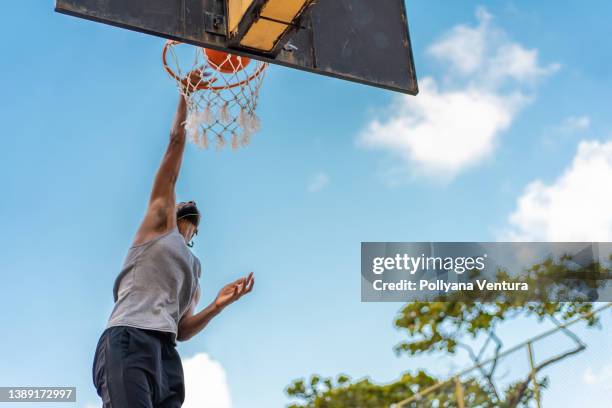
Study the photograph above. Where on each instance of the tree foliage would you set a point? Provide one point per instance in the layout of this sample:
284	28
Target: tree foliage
450	327
342	393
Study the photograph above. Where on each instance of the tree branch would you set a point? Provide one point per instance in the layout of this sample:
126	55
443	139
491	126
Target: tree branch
498	348
514	401
476	360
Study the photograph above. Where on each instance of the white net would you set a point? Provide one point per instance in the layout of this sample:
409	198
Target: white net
221	92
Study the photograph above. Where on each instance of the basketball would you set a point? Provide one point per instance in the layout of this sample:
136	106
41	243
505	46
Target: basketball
224	62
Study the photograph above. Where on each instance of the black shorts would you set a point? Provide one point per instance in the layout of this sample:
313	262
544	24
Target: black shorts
135	368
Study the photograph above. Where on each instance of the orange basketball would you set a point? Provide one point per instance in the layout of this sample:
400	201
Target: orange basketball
224	62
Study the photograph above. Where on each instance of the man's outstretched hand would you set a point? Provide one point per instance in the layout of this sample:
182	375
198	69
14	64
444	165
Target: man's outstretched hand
191	324
234	291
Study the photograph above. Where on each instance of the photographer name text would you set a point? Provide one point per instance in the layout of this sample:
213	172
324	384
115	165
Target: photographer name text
442	286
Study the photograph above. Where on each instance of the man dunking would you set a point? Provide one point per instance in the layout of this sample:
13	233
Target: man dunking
136	364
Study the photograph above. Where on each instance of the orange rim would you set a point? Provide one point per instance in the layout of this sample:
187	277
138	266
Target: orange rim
205	85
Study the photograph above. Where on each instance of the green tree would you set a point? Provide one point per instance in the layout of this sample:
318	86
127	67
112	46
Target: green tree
451	326
342	393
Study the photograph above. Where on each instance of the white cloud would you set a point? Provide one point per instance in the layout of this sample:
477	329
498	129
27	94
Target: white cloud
483	54
600	378
318	182
574	124
463	46
515	62
205	383
90	405
569	126
575	207
449	128
442	133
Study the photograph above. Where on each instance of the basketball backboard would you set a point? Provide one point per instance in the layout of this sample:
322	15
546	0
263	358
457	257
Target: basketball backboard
365	41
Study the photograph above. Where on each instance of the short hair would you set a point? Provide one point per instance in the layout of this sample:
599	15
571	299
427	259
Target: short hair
188	210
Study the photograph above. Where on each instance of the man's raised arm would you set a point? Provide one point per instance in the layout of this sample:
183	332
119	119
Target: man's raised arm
161	214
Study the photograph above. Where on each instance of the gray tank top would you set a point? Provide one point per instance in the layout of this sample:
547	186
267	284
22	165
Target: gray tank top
156	285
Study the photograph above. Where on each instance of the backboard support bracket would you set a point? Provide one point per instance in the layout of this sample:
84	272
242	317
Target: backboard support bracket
255	13
215	23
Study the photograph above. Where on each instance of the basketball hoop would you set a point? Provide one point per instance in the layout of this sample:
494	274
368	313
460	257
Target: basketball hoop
221	90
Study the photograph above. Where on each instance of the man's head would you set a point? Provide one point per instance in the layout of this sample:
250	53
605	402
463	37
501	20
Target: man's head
188	219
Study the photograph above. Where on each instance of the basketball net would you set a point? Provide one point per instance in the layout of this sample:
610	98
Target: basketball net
221	90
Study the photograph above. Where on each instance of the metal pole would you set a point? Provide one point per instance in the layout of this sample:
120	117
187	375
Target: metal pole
536	386
420	394
459	393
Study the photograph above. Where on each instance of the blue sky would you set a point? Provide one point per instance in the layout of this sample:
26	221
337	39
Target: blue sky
86	114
